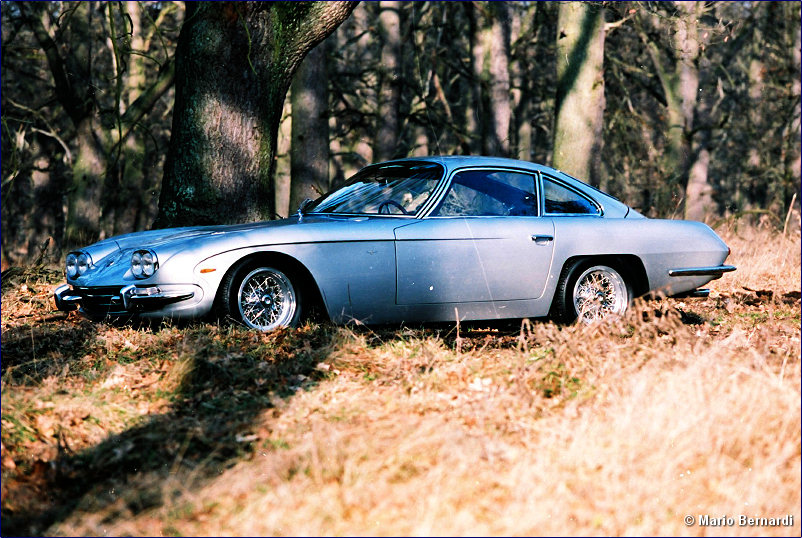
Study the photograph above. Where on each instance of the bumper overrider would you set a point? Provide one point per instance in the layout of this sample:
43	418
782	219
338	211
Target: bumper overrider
109	300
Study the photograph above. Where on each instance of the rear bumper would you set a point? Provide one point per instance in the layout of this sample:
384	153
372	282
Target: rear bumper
700	292
714	272
112	300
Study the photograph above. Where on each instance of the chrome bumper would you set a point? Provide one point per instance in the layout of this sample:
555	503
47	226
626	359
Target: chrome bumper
65	299
128	299
715	272
700	292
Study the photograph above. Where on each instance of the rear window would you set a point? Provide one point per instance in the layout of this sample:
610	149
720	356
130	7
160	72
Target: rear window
560	200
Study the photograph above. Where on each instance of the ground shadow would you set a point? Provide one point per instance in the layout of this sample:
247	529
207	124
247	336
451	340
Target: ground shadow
228	382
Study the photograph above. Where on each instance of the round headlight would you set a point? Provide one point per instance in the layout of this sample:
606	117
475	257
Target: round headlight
144	263
148	264
84	262
71	265
136	264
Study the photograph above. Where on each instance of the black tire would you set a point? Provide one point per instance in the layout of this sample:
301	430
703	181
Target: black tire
261	296
591	288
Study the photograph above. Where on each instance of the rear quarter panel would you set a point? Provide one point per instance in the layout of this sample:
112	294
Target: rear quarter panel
660	244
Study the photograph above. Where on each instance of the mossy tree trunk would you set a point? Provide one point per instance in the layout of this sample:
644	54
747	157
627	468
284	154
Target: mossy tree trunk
234	64
580	90
687	144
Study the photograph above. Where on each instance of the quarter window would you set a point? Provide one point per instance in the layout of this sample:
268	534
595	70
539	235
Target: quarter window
562	200
475	193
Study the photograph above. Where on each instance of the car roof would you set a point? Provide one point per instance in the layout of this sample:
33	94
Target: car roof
458	161
453	162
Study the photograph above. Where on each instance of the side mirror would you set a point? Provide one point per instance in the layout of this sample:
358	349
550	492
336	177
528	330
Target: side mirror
303	205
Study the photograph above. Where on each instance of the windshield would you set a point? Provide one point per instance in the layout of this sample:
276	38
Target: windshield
385	189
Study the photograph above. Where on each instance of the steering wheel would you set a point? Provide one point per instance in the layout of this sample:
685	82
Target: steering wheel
392	203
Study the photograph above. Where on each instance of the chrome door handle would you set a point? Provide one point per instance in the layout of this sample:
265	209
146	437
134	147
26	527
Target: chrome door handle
542	239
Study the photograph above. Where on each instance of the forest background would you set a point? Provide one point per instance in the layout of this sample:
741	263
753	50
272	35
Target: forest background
686	109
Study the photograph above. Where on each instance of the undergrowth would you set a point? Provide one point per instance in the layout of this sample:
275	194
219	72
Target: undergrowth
683	407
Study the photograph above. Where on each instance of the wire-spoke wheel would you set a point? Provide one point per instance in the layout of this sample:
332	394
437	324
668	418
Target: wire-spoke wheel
590	291
263	299
598	293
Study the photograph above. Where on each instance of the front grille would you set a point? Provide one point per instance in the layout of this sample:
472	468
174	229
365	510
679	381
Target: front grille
101	300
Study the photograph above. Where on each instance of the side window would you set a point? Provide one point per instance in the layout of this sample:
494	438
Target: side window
561	200
500	193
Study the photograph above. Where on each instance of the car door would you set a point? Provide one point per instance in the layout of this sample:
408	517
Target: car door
485	242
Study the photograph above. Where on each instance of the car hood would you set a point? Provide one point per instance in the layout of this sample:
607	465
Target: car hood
174	237
157	238
309	228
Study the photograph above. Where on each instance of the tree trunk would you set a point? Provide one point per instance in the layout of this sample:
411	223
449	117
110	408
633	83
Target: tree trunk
499	81
688	159
283	175
132	196
309	150
389	97
234	64
698	191
520	83
792	160
475	120
695	157
83	223
580	90
73	88
488	116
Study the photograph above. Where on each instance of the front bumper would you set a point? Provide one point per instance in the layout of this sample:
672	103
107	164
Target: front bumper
111	300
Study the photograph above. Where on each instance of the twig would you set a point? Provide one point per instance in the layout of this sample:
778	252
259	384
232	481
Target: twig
523	345
50	133
613	25
42	252
788	216
458	342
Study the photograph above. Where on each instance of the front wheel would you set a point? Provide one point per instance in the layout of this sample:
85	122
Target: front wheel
262	297
590	292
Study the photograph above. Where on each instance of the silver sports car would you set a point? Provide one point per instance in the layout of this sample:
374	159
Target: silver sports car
410	240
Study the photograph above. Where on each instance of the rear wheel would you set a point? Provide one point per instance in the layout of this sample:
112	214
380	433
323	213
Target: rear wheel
262	297
591	291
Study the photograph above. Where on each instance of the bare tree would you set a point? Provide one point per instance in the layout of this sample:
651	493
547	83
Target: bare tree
81	58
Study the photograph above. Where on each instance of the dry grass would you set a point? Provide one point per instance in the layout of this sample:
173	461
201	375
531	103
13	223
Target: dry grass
683	408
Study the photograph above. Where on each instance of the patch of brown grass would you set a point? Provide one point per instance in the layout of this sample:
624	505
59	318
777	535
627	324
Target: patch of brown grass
685	407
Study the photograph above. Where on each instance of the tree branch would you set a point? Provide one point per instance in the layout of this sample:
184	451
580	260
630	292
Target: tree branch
75	106
145	102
